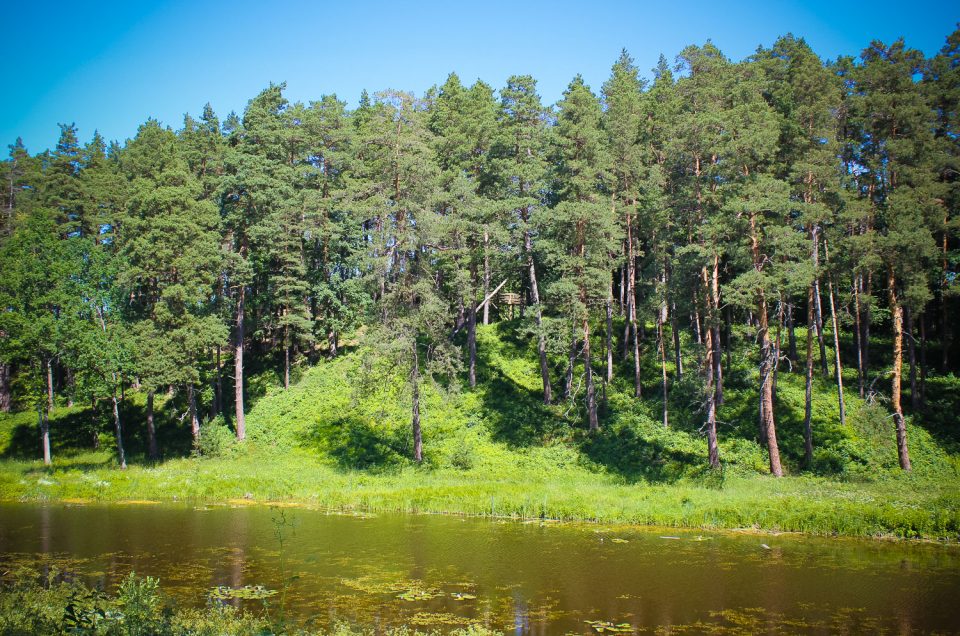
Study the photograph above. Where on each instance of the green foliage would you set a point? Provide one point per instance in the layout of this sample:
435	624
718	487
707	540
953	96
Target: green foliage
216	439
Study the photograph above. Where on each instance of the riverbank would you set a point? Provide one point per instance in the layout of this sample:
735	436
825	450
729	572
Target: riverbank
908	507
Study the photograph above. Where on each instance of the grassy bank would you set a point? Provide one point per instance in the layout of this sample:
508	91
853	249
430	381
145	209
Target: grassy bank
910	507
339	439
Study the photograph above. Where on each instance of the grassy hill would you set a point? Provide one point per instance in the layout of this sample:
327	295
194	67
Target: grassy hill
339	438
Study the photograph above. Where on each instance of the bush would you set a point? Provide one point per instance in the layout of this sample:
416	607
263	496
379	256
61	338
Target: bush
216	439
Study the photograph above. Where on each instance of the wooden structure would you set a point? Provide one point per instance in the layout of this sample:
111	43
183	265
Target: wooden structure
511	299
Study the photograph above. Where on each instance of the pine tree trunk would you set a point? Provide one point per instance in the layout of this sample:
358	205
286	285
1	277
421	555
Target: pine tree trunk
286	367
333	338
637	388
923	360
858	332
118	430
896	312
837	364
415	407
194	419
662	350
70	387
945	332
622	289
152	451
609	335
241	425
695	318
817	307
912	355
808	395
49	385
588	369
44	417
677	357
472	340
541	338
6	397
713	450
791	336
865	337
568	383
216	404
766	391
486	276
96	431
715	317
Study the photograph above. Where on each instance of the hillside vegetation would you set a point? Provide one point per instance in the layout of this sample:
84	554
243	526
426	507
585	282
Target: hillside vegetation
339	438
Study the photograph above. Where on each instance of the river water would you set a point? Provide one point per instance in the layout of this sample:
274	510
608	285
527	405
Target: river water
441	572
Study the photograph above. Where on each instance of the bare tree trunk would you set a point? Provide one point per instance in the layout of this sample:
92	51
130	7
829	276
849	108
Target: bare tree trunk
808	396
44	417
472	340
241	424
194	419
6	397
118	429
415	406
152	450
912	356
588	369
896	312
541	338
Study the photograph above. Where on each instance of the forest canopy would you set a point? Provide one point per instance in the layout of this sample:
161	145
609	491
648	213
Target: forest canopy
796	213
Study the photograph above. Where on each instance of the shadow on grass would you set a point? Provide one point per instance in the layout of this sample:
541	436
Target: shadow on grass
515	414
355	443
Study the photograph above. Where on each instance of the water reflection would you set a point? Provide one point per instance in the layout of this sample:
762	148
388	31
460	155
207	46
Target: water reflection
445	572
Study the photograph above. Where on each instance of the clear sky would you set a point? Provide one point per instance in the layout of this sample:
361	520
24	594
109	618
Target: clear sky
107	65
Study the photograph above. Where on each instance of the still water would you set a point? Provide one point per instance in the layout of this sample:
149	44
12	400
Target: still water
438	572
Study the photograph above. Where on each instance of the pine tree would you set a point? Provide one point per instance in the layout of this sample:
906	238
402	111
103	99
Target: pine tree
580	228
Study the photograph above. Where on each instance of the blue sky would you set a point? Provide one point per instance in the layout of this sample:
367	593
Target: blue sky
109	65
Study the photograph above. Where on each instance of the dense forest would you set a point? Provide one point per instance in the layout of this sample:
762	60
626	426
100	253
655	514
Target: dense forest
643	238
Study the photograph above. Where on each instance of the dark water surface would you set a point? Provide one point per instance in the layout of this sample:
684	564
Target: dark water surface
437	572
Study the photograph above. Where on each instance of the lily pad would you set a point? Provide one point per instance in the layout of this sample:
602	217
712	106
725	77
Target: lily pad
608	627
247	593
418	594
